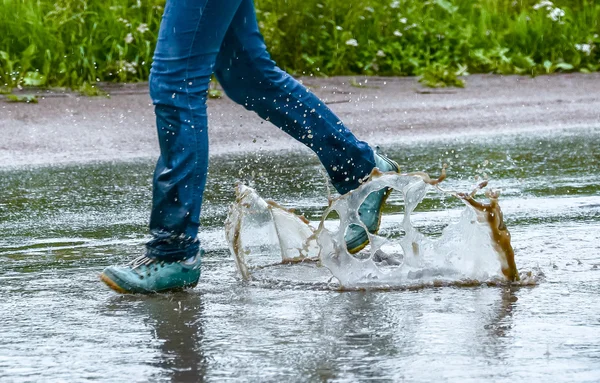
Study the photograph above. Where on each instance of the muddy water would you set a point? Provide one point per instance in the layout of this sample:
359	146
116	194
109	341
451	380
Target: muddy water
61	225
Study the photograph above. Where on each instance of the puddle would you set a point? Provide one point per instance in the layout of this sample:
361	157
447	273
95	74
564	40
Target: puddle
62	225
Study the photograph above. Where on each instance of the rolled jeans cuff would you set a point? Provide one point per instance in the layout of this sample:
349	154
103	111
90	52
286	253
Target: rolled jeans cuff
171	247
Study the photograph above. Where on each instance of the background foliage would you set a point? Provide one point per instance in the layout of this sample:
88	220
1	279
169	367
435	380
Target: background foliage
76	43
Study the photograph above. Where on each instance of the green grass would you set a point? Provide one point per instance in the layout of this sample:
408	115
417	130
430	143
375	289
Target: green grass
26	98
76	43
440	76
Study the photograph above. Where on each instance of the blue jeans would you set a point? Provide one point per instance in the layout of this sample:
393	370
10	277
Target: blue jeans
198	38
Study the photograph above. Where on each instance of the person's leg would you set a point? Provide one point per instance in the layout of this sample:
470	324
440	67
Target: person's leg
189	39
190	36
250	78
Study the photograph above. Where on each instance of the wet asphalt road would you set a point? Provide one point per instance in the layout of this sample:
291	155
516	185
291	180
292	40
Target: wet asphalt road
65	128
76	193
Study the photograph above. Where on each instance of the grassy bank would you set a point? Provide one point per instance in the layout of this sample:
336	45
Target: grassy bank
76	43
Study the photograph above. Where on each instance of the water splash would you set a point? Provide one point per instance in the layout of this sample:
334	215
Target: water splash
260	231
475	249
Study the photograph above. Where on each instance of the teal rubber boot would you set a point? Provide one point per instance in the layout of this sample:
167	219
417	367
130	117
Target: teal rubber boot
370	211
145	275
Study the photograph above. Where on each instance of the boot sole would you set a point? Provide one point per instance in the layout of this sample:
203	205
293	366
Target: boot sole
112	284
115	286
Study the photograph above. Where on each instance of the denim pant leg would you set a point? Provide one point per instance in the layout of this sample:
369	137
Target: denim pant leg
189	39
250	78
